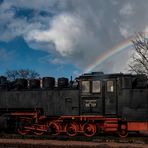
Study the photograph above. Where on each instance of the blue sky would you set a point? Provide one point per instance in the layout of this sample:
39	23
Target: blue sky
62	37
17	55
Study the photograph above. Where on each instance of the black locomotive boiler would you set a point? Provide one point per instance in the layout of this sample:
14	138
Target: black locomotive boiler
94	103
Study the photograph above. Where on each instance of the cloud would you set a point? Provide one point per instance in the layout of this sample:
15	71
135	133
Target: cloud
57	61
46	5
65	31
74	31
50	59
127	9
124	30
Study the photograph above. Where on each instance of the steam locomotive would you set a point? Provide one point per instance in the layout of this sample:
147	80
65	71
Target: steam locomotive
91	104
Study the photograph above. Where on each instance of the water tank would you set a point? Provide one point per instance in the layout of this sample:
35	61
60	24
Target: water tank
21	83
34	83
48	82
63	82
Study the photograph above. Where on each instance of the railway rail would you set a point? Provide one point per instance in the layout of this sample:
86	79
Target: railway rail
32	141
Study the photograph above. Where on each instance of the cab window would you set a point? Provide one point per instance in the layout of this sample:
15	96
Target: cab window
110	86
86	86
96	87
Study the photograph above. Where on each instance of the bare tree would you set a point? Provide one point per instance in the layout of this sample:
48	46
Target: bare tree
12	74
33	74
139	58
22	73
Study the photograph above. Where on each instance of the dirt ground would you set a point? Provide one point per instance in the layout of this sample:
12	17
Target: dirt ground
134	140
30	143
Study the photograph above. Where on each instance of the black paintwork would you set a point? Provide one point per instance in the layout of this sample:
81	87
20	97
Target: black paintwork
129	98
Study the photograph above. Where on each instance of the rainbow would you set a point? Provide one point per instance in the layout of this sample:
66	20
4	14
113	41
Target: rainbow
127	44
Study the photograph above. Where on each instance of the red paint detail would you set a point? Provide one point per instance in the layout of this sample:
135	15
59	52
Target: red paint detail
23	132
72	129
55	128
84	117
21	129
38	133
111	125
137	126
123	133
89	129
123	127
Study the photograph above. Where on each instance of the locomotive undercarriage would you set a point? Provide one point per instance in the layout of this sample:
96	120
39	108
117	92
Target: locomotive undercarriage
88	125
35	122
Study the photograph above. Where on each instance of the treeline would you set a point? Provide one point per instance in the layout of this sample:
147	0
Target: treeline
21	73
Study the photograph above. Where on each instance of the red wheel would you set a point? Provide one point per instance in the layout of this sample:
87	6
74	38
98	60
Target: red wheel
21	128
23	131
123	131
72	129
54	128
89	129
38	128
38	133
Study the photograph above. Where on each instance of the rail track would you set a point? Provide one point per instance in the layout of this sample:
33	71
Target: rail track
109	141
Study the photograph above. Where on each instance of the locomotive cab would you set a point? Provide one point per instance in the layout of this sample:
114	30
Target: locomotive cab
98	94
